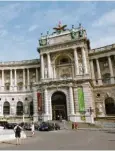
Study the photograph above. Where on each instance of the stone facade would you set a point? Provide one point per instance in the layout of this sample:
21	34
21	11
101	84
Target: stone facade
67	67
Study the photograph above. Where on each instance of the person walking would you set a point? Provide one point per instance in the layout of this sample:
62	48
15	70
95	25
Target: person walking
17	130
33	129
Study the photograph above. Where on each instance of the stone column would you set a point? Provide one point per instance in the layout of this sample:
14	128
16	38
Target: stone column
28	79
36	75
15	80
54	72
98	72
85	67
111	70
71	101
24	79
11	79
35	105
46	101
42	66
49	65
76	62
92	72
2	80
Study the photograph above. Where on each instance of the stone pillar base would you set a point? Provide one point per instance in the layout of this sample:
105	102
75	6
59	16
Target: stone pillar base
82	119
35	118
89	118
75	118
45	117
112	80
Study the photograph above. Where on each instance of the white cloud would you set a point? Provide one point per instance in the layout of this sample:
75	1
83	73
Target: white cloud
3	33
102	41
33	27
105	20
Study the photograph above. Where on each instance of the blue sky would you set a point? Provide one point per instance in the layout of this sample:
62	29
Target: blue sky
21	24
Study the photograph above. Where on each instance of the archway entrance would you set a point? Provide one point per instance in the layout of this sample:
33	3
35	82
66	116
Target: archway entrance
110	106
59	107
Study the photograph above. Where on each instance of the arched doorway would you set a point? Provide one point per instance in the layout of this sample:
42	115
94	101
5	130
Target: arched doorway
6	108
110	106
59	106
19	108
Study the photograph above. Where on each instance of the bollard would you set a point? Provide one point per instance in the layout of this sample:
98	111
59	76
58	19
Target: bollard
73	125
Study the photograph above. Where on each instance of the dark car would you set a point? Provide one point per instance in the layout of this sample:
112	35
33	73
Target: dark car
46	126
36	126
27	126
4	124
11	125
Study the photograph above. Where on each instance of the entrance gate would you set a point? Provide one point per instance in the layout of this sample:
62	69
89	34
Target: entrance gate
59	107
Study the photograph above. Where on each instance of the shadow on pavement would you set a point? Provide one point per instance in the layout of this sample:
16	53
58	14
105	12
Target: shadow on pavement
111	132
12	143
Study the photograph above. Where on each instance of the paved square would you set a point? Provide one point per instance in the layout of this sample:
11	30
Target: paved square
65	139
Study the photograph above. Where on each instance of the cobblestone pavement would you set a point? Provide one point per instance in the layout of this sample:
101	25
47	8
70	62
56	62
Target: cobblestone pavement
65	139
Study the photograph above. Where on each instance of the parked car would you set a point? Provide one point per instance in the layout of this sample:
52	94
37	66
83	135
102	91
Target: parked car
11	125
44	126
27	126
56	126
4	124
36	126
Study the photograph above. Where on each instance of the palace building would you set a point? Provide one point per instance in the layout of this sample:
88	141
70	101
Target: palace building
70	79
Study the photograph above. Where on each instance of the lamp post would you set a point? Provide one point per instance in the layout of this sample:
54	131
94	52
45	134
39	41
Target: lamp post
90	110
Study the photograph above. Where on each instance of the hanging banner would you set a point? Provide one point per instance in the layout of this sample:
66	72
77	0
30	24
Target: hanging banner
81	102
39	98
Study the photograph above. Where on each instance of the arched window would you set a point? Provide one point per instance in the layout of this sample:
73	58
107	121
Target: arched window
106	78
20	85
19	108
110	106
64	61
6	108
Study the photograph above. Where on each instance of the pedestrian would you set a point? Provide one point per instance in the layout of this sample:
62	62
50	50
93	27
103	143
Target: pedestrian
60	118
17	130
33	129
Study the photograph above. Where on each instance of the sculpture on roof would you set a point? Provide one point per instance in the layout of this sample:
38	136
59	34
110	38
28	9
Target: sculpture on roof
60	28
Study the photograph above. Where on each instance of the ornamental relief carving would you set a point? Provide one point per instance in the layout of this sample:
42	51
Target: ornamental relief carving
62	46
65	72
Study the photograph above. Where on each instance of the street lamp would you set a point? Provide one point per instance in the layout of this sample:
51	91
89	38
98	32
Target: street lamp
90	110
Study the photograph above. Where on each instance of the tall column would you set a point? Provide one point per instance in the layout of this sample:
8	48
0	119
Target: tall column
76	62
28	79
24	79
71	101
54	72
36	75
2	80
98	72
11	79
84	61
35	105
46	101
15	81
92	72
42	66
49	65
111	70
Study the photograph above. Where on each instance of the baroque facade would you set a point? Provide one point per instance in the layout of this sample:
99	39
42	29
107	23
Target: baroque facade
70	79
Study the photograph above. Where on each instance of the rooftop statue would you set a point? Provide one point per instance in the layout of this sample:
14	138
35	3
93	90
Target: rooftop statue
78	34
60	28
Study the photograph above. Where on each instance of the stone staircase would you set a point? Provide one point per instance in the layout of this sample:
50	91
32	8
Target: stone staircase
68	125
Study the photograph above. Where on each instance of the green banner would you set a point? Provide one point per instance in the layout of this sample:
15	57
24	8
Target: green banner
81	100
